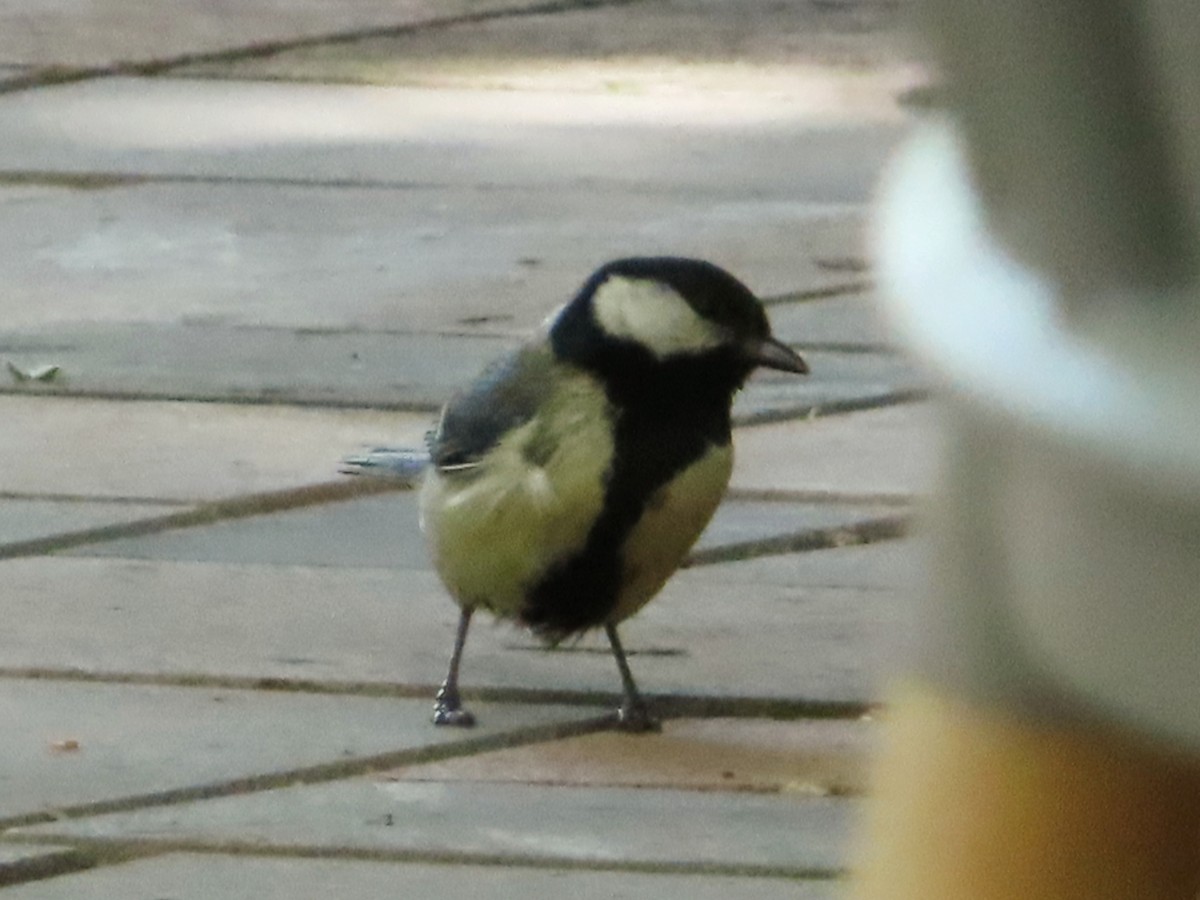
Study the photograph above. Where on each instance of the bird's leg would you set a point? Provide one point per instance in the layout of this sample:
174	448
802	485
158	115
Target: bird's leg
633	714
448	709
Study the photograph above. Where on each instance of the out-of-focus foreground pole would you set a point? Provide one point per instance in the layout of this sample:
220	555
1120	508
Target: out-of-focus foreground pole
1037	248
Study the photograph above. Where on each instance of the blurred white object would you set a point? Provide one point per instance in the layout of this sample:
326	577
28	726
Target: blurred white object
1067	558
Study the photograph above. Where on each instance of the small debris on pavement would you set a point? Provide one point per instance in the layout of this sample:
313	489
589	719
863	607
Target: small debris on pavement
37	373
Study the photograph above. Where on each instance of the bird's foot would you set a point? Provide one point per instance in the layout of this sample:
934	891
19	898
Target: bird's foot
635	718
448	710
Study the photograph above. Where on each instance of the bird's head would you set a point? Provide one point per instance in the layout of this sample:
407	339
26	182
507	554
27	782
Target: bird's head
669	314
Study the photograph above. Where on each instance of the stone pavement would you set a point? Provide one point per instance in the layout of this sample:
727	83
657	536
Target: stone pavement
256	237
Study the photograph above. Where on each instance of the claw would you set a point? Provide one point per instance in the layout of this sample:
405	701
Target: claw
459	718
448	710
636	719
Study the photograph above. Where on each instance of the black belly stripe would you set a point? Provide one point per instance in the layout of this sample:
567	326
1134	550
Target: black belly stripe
657	435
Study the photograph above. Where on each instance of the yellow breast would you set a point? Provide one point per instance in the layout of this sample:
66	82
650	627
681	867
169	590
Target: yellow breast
673	520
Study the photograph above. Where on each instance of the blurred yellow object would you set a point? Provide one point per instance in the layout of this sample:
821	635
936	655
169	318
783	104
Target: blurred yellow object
975	804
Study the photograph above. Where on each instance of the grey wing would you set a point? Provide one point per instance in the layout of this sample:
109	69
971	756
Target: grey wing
506	396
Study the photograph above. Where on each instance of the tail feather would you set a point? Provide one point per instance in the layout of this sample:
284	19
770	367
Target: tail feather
396	463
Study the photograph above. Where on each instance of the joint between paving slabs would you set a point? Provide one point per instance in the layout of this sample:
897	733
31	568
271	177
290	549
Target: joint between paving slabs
743	420
70	860
50	75
265	503
671	706
823	496
109	180
89	852
314	774
827	292
100	499
813	411
238	507
148	847
865	531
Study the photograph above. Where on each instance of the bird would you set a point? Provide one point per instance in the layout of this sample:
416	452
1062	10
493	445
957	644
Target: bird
568	482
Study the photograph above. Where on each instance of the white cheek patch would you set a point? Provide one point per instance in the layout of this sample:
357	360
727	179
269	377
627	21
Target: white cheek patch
651	314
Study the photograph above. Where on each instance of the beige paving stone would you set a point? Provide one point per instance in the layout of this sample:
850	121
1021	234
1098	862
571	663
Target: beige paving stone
180	451
777	834
55	32
209	877
888	452
812	756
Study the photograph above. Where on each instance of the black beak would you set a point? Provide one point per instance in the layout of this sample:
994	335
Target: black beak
772	354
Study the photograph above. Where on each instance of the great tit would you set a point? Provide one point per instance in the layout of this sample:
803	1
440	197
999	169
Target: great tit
568	482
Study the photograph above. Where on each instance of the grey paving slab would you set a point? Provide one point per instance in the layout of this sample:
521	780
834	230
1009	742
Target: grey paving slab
515	822
22	519
87	448
202	362
706	635
677	46
54	33
387	370
372	532
890	452
851	321
69	743
182	876
381	532
717	145
819	757
761	640
473	258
